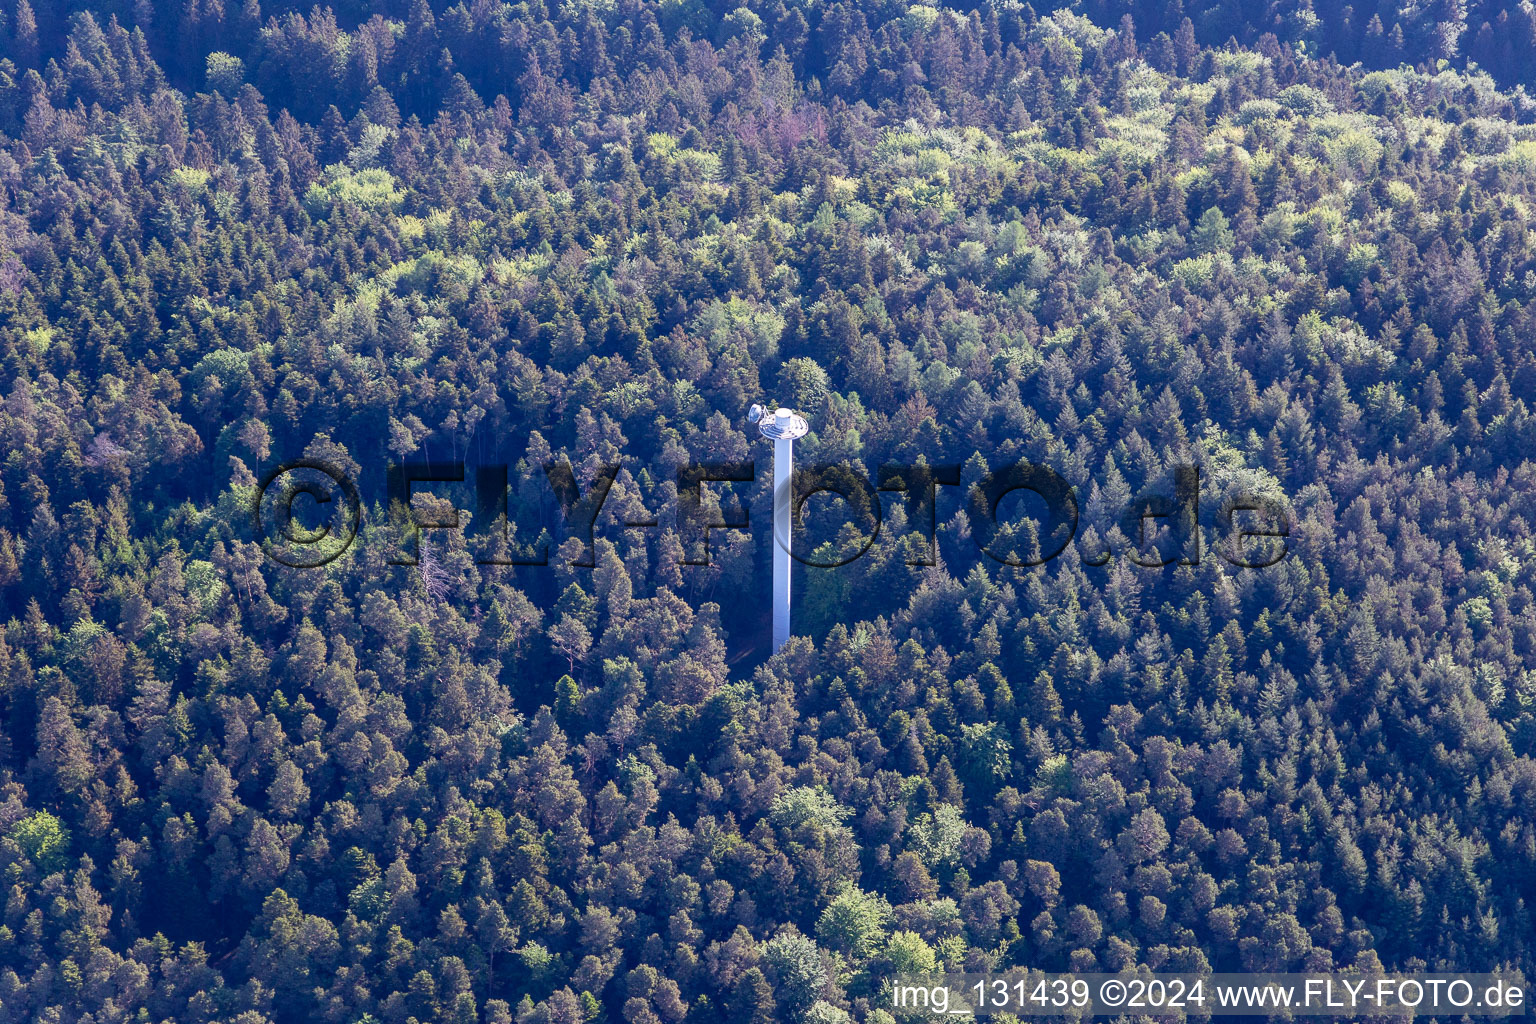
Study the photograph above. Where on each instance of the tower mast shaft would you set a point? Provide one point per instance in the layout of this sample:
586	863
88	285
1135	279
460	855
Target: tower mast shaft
783	474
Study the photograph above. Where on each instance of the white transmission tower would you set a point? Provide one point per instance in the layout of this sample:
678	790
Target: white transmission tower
781	427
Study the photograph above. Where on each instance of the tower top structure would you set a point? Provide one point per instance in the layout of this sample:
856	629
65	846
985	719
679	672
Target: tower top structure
782	425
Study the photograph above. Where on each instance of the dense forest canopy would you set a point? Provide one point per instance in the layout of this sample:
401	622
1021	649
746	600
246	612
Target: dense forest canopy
1291	244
